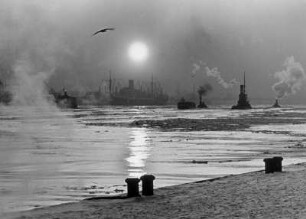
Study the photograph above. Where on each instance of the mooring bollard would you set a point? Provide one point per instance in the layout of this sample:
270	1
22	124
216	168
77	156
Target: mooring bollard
269	165
147	184
132	187
277	164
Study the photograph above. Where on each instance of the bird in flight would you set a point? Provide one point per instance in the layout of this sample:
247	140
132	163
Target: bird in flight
103	30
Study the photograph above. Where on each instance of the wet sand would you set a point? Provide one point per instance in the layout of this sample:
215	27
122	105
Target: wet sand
249	195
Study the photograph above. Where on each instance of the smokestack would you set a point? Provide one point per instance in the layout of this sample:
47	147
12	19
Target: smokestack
242	90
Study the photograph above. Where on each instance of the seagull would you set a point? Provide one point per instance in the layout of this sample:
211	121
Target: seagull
103	30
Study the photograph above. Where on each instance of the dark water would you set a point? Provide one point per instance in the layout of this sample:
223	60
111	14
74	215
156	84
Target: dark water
48	156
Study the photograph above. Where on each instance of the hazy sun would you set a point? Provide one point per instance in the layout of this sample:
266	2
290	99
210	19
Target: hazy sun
138	51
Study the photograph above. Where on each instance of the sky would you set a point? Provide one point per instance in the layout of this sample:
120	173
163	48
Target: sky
190	43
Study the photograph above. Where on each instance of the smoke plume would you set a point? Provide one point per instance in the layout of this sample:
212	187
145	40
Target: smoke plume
212	72
290	80
204	89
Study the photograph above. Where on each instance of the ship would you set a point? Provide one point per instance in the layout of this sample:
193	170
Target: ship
97	98
132	96
183	104
276	104
63	100
5	95
242	102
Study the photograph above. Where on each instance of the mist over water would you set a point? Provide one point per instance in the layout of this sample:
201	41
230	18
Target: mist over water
29	87
32	131
50	155
27	153
230	37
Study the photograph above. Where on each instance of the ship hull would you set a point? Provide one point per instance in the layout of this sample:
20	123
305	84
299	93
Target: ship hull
242	107
67	102
125	101
186	105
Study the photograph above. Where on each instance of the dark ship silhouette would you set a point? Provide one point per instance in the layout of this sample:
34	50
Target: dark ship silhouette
63	100
97	98
276	104
202	91
243	102
202	105
130	96
5	95
183	104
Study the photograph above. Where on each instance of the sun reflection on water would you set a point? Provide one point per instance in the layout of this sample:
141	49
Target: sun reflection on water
139	152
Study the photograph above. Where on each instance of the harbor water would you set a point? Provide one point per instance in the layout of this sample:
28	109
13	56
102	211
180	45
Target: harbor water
50	156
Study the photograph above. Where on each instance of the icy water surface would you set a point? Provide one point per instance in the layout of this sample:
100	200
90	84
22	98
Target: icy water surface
48	156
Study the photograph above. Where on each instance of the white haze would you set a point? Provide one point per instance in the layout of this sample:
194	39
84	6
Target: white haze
201	67
232	35
29	87
290	80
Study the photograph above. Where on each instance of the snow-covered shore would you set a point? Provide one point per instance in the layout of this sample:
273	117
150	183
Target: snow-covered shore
249	195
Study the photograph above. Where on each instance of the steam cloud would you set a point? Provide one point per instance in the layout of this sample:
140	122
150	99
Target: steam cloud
31	50
290	80
81	59
28	87
213	72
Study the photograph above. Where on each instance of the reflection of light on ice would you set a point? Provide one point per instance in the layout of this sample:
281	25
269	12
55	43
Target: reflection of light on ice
139	152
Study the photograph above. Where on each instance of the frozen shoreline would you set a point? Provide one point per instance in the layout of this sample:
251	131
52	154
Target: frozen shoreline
248	195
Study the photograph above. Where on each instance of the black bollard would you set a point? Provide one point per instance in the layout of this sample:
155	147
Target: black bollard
147	184
277	164
132	187
269	167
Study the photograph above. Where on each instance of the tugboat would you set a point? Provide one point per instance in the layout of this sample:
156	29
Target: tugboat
202	105
64	100
243	102
202	91
276	104
183	104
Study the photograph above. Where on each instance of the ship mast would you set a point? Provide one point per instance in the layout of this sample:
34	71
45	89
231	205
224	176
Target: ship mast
152	86
244	82
110	82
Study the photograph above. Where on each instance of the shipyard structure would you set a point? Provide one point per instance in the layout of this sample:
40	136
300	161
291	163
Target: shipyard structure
136	93
243	102
132	96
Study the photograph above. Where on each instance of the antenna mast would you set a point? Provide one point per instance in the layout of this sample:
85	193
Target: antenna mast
244	81
110	82
152	86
